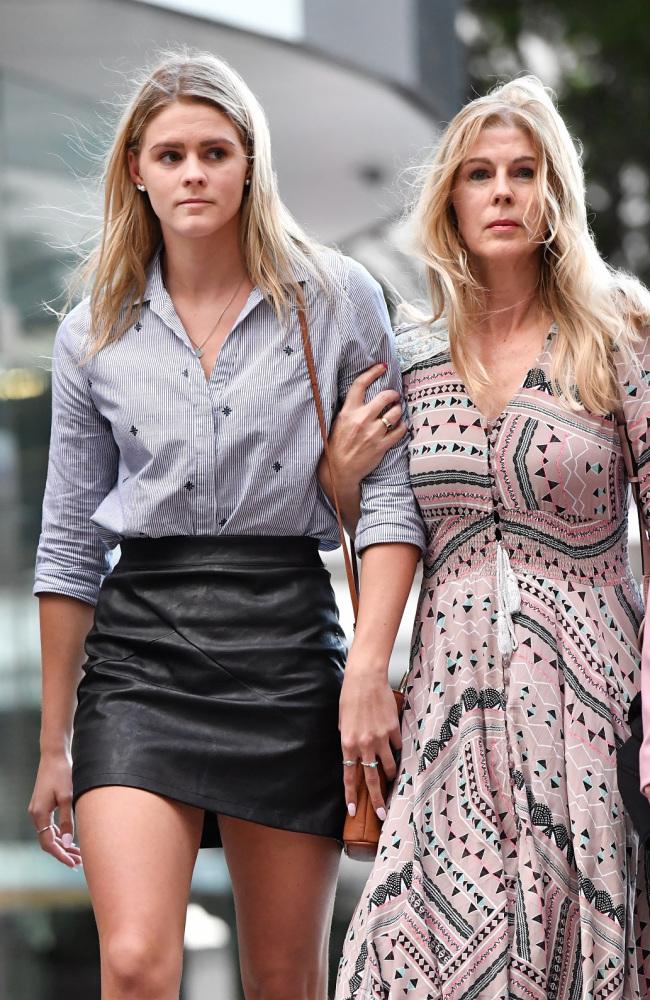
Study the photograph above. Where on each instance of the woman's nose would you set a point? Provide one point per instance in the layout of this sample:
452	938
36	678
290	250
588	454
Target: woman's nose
194	172
502	190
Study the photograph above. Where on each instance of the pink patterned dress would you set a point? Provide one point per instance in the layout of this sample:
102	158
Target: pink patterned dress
507	867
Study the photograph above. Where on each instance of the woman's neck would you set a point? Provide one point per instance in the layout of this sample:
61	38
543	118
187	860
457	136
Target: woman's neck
202	270
511	300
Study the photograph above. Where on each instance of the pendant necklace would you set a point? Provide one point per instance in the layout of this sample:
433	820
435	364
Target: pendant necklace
197	349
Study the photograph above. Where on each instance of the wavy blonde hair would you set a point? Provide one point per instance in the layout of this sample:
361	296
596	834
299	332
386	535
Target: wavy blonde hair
597	308
274	247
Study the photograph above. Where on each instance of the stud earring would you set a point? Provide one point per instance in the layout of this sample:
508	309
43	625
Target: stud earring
247	182
141	187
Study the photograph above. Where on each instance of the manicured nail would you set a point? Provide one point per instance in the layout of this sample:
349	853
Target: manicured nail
67	840
352	809
384	365
381	813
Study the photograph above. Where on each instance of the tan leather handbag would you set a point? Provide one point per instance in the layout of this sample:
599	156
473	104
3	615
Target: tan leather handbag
360	832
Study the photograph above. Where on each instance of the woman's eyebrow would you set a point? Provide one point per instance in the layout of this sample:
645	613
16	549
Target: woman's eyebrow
486	159
175	144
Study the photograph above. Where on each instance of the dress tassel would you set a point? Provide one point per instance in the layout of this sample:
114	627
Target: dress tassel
509	602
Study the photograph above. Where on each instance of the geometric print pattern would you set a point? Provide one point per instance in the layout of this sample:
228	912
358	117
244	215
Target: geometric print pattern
507	867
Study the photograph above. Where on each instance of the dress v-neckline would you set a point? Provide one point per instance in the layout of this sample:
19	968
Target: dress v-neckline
490	423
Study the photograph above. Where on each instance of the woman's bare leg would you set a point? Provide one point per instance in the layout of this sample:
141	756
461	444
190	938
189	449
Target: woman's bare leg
138	852
284	885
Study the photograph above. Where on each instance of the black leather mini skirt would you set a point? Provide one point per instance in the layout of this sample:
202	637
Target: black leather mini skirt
213	677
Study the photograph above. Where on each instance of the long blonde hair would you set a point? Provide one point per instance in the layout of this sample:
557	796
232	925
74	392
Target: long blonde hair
274	247
597	308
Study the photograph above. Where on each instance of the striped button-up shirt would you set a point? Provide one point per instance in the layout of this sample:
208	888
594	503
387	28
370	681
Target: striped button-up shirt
143	445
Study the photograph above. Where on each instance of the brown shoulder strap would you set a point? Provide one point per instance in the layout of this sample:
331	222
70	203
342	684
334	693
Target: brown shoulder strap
311	368
633	478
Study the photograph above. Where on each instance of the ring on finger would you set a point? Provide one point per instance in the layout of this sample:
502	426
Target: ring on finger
372	763
349	763
387	424
50	826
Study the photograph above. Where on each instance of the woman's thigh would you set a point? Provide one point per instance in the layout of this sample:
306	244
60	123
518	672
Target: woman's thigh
138	851
283	885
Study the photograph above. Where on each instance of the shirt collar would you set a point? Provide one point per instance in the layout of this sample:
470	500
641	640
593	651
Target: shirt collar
155	294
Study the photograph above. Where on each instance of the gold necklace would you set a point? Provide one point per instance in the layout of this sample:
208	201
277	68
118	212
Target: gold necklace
198	348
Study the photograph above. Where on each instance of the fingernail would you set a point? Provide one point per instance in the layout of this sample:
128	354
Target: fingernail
381	813
67	839
384	365
352	809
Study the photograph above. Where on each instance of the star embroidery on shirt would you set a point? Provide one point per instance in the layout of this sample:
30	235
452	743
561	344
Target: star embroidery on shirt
288	350
277	466
134	430
185	373
138	326
189	486
90	383
222	522
226	411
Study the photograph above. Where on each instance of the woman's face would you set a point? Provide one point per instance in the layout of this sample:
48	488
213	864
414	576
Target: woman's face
194	166
494	190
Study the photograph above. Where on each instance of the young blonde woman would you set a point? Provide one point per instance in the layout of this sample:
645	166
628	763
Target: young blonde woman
184	429
507	867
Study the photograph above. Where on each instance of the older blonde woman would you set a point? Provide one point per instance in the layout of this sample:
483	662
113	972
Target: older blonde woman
507	867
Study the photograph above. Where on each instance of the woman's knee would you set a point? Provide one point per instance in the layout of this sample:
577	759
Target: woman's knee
291	980
136	966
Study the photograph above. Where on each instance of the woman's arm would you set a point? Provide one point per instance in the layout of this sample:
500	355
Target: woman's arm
64	622
634	393
358	441
71	561
367	715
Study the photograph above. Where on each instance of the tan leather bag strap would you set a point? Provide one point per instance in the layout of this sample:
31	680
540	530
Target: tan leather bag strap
311	368
633	478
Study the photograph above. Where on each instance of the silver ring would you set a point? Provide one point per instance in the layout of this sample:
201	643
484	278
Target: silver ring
349	763
374	763
50	826
387	424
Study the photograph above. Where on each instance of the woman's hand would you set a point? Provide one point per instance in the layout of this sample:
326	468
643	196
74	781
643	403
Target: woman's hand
359	437
52	791
370	730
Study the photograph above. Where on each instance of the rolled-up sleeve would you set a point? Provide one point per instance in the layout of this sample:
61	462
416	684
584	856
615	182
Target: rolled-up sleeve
82	469
389	510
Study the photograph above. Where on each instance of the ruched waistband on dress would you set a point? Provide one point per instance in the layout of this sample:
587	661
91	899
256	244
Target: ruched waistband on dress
553	551
221	550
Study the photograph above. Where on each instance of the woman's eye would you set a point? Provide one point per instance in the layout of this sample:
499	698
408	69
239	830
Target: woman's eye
526	172
217	153
171	156
479	174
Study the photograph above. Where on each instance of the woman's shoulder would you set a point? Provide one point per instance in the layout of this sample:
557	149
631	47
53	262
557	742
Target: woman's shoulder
349	274
74	329
420	344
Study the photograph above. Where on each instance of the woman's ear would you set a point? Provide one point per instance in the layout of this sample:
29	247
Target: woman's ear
134	173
